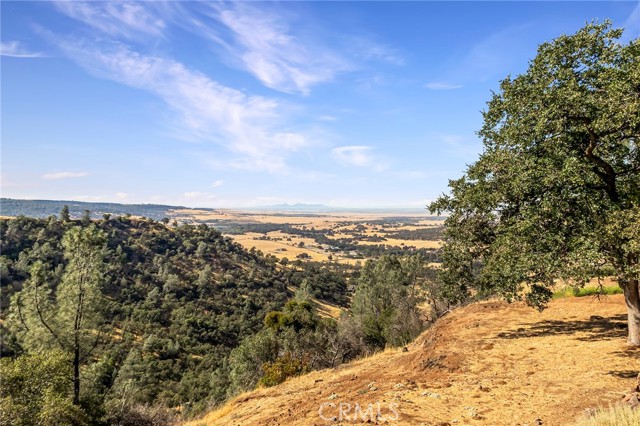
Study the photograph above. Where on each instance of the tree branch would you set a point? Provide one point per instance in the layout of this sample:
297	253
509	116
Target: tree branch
601	168
41	318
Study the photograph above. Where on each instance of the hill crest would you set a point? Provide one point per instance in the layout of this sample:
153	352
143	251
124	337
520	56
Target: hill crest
488	363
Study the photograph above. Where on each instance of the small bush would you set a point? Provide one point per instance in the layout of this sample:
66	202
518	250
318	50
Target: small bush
282	368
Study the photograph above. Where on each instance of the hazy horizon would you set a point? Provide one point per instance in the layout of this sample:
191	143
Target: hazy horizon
300	207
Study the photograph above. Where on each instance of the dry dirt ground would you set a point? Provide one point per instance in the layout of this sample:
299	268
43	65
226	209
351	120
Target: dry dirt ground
486	364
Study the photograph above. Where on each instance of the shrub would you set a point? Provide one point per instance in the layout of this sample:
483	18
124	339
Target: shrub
36	391
282	368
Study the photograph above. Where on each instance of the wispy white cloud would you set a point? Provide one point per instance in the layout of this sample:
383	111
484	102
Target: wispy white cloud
265	44
128	19
435	85
632	23
217	183
253	127
15	49
368	49
121	195
459	145
499	54
273	45
64	175
358	155
268	41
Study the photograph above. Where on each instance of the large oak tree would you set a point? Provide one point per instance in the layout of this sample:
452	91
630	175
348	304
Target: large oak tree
555	195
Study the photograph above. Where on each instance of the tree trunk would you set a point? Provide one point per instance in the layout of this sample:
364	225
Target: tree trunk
76	375
632	298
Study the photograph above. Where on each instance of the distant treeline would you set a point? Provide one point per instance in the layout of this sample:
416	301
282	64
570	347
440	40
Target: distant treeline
46	208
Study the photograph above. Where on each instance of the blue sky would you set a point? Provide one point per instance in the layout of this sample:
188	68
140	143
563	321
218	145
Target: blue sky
351	104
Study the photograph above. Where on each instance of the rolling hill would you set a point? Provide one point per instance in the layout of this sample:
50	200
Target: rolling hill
489	363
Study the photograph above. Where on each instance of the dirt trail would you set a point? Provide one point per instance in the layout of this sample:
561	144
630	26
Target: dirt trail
486	364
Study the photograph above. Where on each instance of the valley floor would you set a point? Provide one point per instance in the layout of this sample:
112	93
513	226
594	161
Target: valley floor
490	363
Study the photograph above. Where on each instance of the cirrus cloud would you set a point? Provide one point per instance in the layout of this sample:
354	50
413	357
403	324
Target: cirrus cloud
442	86
128	19
64	175
255	128
15	49
358	155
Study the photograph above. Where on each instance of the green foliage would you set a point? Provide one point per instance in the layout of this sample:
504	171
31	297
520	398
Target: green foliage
246	361
282	368
36	391
292	342
172	303
320	281
556	192
186	318
47	208
587	291
72	318
386	300
64	214
298	314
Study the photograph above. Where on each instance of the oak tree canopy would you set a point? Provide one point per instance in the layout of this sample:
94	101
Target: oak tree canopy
555	194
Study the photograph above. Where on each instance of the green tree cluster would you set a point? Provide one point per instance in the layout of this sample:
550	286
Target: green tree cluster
386	312
145	315
388	293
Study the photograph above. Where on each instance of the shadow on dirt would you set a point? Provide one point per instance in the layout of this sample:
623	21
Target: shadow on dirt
595	328
624	374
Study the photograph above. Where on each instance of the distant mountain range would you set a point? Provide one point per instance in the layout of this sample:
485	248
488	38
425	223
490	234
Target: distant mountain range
324	209
294	207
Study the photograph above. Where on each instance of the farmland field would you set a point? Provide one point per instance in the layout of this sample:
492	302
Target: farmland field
339	237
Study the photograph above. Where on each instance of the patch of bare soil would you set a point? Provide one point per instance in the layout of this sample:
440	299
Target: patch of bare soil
490	363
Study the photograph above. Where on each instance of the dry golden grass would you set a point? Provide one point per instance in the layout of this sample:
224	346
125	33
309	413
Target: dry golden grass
281	249
327	310
397	242
489	363
319	220
618	415
343	223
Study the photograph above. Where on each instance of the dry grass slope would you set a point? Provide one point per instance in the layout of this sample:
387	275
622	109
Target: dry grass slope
486	364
